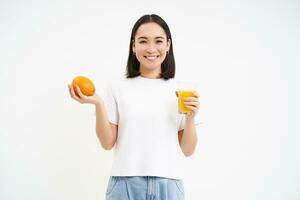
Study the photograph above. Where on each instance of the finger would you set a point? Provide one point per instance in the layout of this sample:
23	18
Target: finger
74	96
196	94
190	99
193	106
82	96
194	109
69	87
191	103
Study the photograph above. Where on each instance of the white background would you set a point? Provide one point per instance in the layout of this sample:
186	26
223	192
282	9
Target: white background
244	54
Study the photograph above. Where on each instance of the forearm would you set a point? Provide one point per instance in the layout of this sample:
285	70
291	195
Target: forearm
103	129
189	138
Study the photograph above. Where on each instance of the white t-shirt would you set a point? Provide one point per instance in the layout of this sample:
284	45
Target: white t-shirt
146	112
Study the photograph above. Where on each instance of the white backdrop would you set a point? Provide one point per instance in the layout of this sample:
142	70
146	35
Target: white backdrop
244	54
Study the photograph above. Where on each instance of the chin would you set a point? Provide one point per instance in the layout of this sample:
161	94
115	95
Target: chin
151	67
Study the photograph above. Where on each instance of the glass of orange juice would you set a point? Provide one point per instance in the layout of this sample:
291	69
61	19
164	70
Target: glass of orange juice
182	94
184	89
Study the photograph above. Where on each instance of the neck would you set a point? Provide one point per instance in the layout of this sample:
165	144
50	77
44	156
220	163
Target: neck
153	74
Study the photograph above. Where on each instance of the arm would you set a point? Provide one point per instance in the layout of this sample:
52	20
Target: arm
188	136
106	131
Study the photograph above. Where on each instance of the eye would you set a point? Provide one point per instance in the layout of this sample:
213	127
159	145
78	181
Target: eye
159	41
142	41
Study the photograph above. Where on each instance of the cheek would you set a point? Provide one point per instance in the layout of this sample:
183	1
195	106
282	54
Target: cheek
140	52
162	52
162	49
140	48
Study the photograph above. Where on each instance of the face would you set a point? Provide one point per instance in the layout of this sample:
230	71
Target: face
150	46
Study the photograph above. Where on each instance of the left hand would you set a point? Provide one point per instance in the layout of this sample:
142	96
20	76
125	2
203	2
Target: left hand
193	104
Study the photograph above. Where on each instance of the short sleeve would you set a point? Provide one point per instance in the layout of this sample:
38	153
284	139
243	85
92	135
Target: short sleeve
110	101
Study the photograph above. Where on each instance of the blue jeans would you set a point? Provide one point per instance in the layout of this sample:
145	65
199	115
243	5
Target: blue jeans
144	188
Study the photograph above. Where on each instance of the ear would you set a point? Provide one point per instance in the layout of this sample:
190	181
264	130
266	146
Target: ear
169	44
133	46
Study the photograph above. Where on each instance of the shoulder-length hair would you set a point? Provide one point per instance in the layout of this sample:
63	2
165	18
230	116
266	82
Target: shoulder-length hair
167	66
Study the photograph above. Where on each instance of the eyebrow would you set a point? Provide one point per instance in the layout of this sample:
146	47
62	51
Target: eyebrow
143	37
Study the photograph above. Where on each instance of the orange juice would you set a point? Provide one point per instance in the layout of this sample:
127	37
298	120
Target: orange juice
181	95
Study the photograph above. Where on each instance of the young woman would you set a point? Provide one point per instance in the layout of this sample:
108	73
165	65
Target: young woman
139	117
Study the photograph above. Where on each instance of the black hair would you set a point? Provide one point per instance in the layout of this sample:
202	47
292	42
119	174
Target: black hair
167	66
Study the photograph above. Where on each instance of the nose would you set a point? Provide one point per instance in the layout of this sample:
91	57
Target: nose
151	48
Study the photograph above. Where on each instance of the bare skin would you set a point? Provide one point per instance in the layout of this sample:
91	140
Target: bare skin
150	47
106	131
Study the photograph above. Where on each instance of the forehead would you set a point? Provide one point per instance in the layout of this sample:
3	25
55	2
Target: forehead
150	30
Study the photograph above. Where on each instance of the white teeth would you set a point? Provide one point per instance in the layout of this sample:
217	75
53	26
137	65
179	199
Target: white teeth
151	57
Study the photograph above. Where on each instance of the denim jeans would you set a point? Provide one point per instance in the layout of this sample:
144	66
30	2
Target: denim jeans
144	188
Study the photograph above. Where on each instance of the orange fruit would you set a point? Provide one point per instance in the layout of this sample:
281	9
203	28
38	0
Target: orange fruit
85	84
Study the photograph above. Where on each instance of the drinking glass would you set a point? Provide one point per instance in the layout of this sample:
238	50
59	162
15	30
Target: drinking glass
185	89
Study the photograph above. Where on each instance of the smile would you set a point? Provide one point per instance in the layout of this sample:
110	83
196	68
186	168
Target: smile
151	58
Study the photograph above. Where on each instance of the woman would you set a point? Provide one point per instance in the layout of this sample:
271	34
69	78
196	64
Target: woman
139	117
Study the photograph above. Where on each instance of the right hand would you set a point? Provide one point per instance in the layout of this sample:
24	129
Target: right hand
81	98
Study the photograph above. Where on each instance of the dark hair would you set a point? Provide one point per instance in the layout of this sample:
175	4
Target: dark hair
167	66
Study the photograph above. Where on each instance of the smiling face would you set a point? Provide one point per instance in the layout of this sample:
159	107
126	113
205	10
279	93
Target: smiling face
150	46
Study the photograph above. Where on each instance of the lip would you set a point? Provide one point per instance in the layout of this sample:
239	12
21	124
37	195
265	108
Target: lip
151	58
